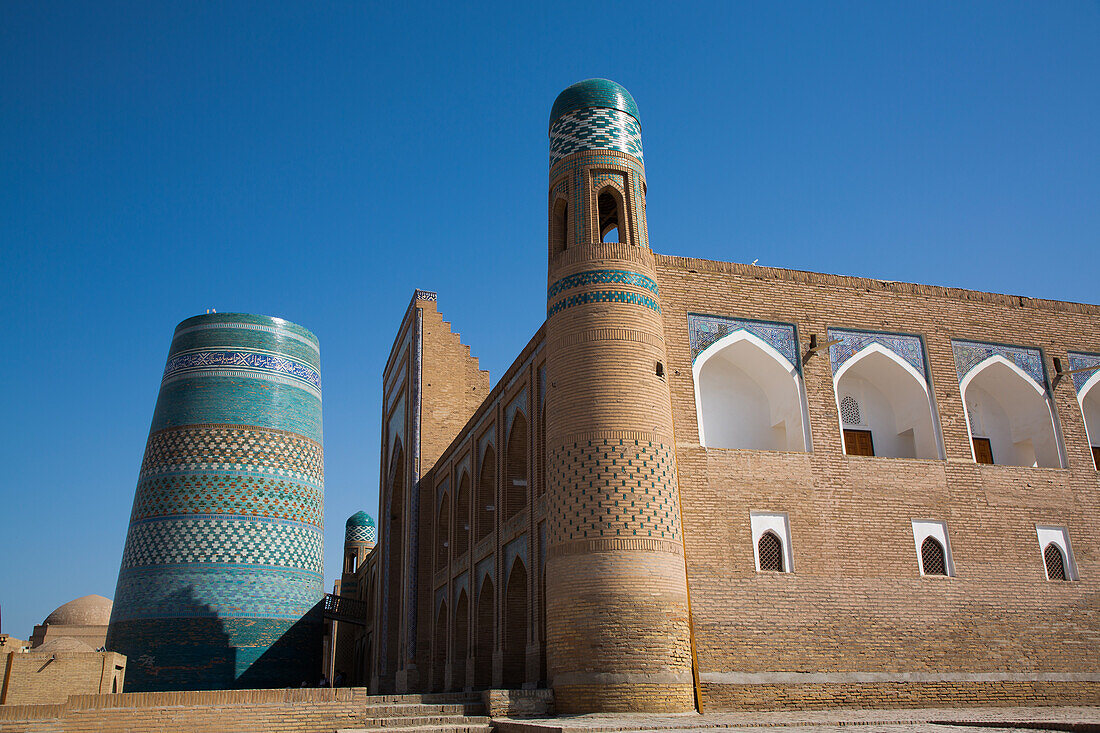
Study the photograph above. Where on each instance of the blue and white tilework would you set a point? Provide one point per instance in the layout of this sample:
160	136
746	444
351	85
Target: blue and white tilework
360	527
595	128
909	348
1079	360
601	277
969	354
705	330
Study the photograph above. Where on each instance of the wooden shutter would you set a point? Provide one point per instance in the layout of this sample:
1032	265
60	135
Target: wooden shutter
858	443
983	450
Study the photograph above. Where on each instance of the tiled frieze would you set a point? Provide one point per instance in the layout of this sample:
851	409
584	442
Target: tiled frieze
595	128
908	348
604	296
601	277
969	354
1079	360
703	331
225	544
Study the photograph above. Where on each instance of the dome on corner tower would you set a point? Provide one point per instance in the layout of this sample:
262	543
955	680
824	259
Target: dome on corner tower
593	93
360	528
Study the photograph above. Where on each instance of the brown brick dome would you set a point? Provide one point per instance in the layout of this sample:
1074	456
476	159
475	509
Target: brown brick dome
90	610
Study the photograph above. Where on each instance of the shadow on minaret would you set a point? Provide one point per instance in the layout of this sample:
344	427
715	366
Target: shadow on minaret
190	650
291	659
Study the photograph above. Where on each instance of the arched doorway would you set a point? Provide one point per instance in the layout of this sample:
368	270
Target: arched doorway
442	532
1090	408
439	648
515	478
462	516
396	564
486	493
462	641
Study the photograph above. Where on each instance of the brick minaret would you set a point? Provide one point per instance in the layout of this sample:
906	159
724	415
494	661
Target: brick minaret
617	607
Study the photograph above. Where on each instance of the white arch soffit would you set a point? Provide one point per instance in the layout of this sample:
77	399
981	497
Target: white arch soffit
740	334
889	354
998	359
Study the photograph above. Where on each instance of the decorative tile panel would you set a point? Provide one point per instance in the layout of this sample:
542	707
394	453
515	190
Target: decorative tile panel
909	348
242	363
595	128
601	277
969	354
1078	360
604	296
704	331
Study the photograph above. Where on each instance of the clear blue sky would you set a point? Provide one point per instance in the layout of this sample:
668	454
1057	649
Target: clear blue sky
318	161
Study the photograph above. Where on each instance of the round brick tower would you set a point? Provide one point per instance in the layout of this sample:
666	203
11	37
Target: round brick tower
617	607
221	575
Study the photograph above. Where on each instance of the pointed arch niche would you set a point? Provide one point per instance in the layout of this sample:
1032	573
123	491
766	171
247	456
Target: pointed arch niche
1008	409
1088	395
885	405
748	385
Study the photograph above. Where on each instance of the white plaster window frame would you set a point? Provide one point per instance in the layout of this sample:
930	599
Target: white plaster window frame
925	528
779	524
1060	537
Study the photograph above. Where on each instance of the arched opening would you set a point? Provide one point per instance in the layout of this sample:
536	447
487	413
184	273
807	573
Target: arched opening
1090	409
462	641
770	551
442	525
748	395
885	407
515	627
483	647
932	558
439	648
558	222
486	493
1055	562
609	203
350	562
462	516
396	560
515	481
1010	419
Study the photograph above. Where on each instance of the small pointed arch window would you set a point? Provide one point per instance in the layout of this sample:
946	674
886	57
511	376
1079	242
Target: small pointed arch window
612	220
933	549
771	536
558	226
1055	563
770	551
1057	553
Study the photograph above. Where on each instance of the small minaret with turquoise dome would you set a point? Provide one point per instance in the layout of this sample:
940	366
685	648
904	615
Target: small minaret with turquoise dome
360	534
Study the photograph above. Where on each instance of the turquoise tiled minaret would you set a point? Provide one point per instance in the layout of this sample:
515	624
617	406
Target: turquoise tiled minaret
221	576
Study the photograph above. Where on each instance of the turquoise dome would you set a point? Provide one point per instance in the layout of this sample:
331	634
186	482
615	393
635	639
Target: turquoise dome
360	519
593	93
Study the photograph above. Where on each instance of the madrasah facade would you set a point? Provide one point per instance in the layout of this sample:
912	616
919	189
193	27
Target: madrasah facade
721	486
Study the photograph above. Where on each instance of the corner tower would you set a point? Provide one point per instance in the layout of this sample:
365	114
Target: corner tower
617	607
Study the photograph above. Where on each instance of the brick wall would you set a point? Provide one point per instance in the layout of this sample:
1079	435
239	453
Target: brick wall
856	607
37	679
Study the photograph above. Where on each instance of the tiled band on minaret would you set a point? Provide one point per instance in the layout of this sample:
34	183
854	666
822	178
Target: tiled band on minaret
618	631
221	575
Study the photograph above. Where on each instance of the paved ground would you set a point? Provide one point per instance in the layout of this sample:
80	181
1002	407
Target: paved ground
923	720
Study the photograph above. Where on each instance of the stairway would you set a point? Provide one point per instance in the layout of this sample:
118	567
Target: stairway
446	712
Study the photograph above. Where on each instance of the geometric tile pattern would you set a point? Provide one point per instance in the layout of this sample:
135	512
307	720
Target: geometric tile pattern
969	354
603	296
234	448
574	169
595	128
601	277
361	534
240	362
703	331
909	348
1078	360
613	488
237	541
228	492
